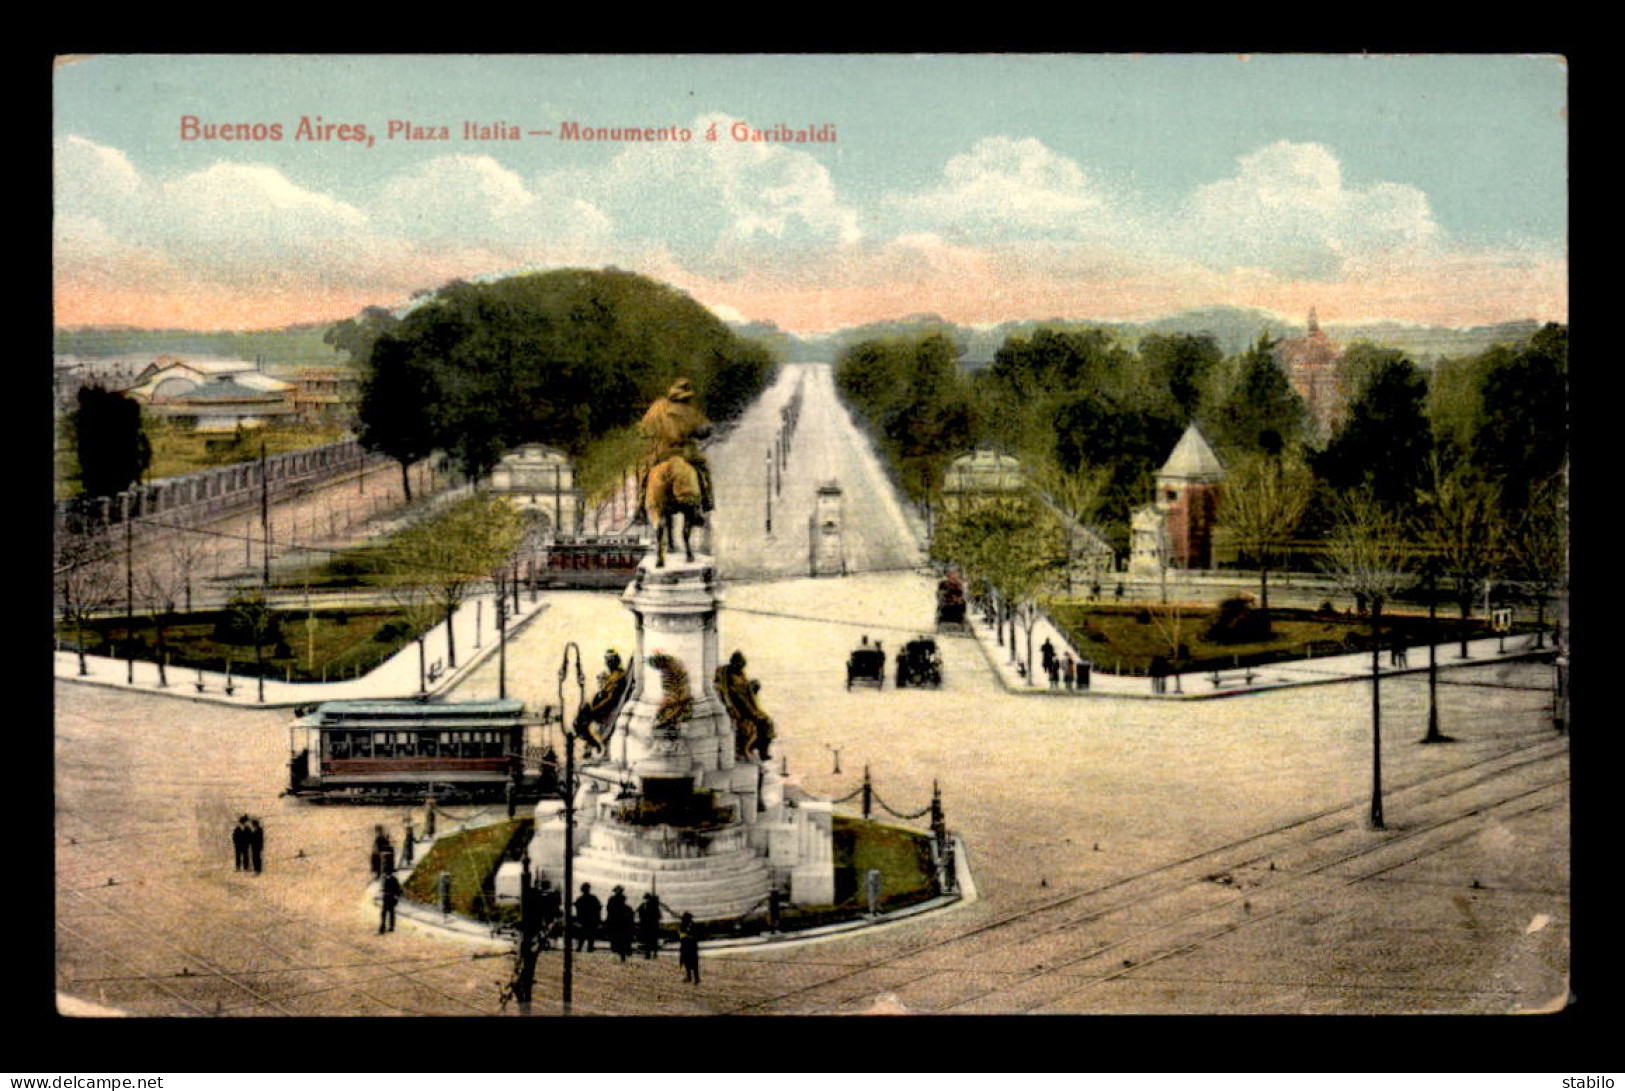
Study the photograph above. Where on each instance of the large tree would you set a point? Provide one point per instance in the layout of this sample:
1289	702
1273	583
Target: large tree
1385	442
910	394
1369	556
1462	534
449	552
1261	411
87	579
1180	364
1522	434
1018	547
109	439
562	357
1265	498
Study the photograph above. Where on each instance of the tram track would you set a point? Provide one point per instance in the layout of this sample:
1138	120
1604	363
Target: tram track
169	901
1197	872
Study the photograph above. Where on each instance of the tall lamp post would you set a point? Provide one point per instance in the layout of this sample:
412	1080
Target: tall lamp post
1434	734
770	492
567	792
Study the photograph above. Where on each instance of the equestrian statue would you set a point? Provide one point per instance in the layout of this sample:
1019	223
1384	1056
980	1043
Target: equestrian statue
676	477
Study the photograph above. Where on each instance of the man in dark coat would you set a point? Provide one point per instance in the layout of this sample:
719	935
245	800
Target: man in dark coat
392	895
649	925
256	845
383	853
688	948
589	911
618	922
552	907
239	843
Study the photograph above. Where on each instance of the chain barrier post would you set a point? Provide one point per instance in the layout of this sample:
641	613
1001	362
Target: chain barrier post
868	794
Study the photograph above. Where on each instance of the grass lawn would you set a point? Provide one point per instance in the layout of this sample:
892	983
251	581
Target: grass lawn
902	855
177	451
342	643
1125	638
472	859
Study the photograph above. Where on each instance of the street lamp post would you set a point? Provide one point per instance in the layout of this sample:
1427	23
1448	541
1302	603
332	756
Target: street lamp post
1433	734
770	492
1376	716
567	792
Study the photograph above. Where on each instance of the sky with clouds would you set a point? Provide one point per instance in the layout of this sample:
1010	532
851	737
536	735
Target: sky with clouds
1429	189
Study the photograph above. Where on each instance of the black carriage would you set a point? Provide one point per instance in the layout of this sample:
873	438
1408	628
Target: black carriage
866	665
919	664
951	603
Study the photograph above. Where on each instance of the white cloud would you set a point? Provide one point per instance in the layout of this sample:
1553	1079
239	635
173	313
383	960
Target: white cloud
1288	209
468	200
1006	187
722	204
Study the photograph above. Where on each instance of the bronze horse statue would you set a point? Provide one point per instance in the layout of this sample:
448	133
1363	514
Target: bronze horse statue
673	488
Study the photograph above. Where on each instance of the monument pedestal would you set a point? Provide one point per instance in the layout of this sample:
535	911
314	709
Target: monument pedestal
669	807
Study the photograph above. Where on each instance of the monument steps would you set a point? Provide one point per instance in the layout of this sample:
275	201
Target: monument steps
723	885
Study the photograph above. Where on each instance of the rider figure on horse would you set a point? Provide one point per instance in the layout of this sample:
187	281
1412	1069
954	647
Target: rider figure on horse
673	428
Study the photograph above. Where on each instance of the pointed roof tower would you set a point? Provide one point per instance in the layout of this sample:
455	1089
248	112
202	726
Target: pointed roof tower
1193	461
1314	323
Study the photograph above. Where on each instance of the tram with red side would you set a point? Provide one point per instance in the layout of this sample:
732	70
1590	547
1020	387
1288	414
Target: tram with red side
390	750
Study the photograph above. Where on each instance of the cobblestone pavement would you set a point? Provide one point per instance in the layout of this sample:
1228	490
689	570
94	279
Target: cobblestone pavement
1129	856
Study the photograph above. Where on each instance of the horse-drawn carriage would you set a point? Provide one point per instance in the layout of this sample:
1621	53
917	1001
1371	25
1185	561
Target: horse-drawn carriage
866	664
919	664
951	603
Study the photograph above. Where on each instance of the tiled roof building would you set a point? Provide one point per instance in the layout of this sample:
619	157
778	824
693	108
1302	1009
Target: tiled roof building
1311	364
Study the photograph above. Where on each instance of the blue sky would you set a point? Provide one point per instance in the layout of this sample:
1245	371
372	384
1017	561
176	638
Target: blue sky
1423	188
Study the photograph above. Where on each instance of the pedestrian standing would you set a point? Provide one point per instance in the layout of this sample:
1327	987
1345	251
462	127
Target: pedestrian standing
508	794
1068	671
688	948
775	901
552	906
649	925
1083	675
408	843
589	914
391	895
383	853
1053	669
239	843
256	845
618	923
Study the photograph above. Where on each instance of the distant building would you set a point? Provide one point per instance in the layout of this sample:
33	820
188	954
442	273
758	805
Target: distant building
1312	365
326	395
212	395
540	481
1175	530
70	373
985	476
981	477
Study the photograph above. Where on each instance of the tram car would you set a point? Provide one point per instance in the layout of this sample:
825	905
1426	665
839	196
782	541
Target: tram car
919	664
392	750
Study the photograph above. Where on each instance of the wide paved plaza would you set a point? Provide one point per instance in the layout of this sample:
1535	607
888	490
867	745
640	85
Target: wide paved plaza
1128	856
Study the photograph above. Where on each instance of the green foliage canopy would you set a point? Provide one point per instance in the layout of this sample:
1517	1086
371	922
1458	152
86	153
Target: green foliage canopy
106	432
561	357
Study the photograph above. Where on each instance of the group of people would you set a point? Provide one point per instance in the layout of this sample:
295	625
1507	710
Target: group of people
615	920
1063	670
248	844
